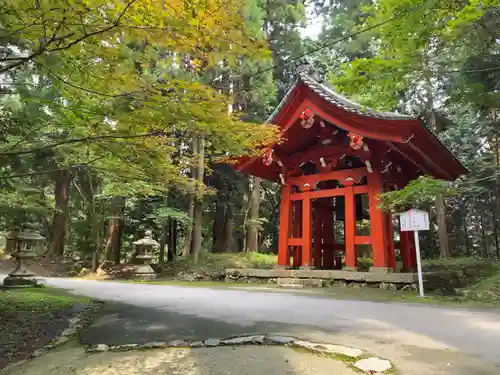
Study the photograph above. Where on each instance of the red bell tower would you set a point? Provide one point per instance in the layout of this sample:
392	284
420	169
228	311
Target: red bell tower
334	159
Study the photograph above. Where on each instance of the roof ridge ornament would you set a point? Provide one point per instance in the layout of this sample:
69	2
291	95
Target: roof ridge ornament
306	67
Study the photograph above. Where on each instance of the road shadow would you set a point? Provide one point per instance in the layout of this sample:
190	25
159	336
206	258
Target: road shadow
120	323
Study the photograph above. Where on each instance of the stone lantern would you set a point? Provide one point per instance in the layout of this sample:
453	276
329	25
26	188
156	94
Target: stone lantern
27	242
145	253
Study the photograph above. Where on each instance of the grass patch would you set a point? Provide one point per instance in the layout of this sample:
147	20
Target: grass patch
40	300
381	295
31	318
460	263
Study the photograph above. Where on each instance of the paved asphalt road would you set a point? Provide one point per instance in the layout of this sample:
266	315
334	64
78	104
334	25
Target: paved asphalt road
421	339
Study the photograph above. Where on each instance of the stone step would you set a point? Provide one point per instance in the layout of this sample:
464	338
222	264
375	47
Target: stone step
304	282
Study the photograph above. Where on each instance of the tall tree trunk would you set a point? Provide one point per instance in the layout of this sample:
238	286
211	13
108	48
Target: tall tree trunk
228	229
444	250
188	240
218	232
163	243
172	239
466	234
496	216
252	242
61	194
483	236
495	235
245	204
198	206
115	228
94	219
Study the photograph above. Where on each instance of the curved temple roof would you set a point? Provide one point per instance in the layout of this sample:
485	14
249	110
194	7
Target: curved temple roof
338	100
406	135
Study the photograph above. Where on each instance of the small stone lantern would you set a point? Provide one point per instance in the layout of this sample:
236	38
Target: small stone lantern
27	242
145	249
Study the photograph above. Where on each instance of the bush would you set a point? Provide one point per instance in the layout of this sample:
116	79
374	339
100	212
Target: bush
216	264
474	278
364	264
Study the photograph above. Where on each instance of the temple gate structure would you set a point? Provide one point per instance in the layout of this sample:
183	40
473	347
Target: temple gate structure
333	159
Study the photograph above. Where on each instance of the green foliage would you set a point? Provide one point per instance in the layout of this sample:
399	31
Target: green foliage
364	264
163	213
419	193
216	264
111	93
282	20
479	277
487	290
22	205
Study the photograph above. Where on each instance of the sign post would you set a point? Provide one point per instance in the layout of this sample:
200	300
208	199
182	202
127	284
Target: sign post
416	220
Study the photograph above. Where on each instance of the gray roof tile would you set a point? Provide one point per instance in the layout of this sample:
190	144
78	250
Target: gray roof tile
337	100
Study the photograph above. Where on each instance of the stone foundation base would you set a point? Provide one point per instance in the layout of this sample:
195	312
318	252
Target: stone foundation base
144	276
350	269
144	272
280	267
381	269
408	269
19	282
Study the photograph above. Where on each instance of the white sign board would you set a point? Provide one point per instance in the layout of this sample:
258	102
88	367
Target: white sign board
413	220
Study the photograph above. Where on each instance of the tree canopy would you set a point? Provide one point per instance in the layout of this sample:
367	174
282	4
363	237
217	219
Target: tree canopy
116	114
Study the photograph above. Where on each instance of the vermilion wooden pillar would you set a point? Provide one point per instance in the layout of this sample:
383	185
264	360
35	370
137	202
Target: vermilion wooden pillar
284	232
319	214
306	231
297	232
328	235
378	225
390	241
351	257
407	250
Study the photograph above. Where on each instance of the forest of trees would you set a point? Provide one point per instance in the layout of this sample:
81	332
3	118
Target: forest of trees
116	115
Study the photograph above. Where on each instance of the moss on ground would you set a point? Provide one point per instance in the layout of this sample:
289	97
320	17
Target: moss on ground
39	300
31	318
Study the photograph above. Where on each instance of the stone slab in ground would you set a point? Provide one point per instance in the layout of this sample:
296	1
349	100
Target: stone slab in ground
373	364
244	360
